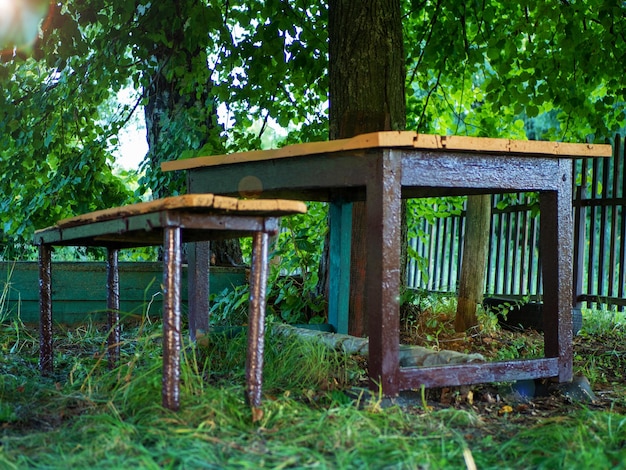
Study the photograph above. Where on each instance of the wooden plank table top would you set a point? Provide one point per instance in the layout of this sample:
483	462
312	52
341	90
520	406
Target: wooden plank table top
400	139
142	224
192	202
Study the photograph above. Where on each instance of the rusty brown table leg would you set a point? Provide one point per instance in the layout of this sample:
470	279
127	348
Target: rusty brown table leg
256	320
556	232
113	307
383	272
172	266
45	309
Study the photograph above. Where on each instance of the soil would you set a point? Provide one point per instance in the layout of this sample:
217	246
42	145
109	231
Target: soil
599	367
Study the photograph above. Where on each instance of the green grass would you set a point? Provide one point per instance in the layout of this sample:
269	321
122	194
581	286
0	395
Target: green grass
86	416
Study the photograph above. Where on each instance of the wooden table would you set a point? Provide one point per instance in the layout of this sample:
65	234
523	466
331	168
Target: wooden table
384	167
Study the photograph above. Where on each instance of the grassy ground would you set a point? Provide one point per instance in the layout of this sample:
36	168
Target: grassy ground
315	415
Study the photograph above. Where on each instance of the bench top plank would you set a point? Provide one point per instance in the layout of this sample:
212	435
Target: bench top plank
401	139
191	202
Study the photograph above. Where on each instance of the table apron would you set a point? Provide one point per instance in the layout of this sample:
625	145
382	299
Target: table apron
311	177
465	171
325	177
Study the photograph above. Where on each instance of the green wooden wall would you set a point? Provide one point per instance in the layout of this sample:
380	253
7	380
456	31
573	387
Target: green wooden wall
79	289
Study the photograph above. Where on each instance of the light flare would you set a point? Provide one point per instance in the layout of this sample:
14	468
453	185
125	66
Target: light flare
20	21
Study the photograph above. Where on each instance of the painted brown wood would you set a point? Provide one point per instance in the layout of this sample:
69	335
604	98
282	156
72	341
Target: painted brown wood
383	272
384	176
478	372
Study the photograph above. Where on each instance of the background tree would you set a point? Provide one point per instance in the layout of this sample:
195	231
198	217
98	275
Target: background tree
184	58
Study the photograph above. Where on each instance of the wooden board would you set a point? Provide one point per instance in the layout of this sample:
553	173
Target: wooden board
400	139
194	202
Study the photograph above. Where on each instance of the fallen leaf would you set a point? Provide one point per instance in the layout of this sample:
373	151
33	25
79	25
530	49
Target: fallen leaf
257	414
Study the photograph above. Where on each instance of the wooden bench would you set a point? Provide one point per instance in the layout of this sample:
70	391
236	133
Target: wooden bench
169	222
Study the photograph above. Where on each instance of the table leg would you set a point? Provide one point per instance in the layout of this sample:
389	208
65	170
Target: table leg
172	266
556	259
198	289
113	307
45	309
383	272
340	221
256	320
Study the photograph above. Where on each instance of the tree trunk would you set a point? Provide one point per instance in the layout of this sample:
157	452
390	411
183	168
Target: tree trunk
366	88
476	241
159	111
177	121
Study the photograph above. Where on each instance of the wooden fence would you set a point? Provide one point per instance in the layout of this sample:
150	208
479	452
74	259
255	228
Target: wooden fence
514	264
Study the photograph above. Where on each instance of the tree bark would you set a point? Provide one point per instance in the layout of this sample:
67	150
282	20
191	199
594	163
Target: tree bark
366	88
177	121
475	243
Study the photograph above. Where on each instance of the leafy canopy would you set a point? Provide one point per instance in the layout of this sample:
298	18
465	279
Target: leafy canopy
549	70
536	69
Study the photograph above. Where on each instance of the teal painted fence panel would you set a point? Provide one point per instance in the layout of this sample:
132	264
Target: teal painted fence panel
79	289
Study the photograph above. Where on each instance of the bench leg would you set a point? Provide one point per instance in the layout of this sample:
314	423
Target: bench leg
382	309
198	280
340	220
45	310
172	266
256	319
113	307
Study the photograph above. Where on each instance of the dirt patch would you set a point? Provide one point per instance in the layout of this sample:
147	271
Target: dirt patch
599	367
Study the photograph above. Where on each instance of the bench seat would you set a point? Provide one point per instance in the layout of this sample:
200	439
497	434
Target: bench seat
170	222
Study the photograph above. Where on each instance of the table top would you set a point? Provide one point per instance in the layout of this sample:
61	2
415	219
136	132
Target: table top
142	224
402	139
205	203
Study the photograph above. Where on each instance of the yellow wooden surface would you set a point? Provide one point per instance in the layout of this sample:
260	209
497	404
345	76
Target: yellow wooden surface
401	139
195	202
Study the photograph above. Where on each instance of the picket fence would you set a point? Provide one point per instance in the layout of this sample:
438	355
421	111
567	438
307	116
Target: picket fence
514	263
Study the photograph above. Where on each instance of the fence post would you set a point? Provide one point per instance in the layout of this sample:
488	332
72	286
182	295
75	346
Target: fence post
471	286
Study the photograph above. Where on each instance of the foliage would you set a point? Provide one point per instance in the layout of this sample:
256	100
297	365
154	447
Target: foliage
293	295
89	416
491	68
501	69
485	68
230	307
292	286
55	150
520	70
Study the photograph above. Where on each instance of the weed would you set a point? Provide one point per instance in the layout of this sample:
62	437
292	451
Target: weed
89	416
5	291
605	321
230	307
